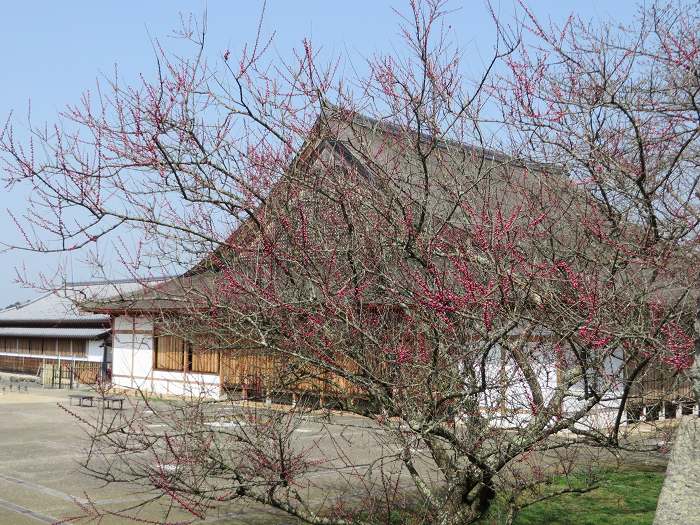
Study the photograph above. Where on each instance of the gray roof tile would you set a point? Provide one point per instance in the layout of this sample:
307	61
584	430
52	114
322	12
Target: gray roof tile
61	305
68	333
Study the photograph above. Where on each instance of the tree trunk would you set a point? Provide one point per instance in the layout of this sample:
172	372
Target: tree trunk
695	370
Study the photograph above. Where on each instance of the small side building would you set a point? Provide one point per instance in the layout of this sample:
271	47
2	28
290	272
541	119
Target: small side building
52	330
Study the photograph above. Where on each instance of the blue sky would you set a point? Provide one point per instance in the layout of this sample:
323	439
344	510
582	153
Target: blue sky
52	51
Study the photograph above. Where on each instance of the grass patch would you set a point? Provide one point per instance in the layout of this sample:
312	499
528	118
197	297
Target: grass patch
624	497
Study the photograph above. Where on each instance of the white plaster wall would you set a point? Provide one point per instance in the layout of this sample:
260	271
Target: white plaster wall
181	384
132	364
122	322
518	405
122	352
95	349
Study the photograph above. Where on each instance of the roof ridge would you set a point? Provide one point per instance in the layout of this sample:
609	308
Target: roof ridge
18	305
118	281
385	125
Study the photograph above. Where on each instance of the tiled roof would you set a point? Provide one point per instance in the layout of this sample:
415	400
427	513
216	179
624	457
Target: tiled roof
60	306
40	331
365	144
173	294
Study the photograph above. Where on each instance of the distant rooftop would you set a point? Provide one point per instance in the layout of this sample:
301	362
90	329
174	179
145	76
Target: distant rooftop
61	305
57	333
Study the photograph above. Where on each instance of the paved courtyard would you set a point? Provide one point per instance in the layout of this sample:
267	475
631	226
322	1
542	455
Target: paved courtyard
41	480
40	475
